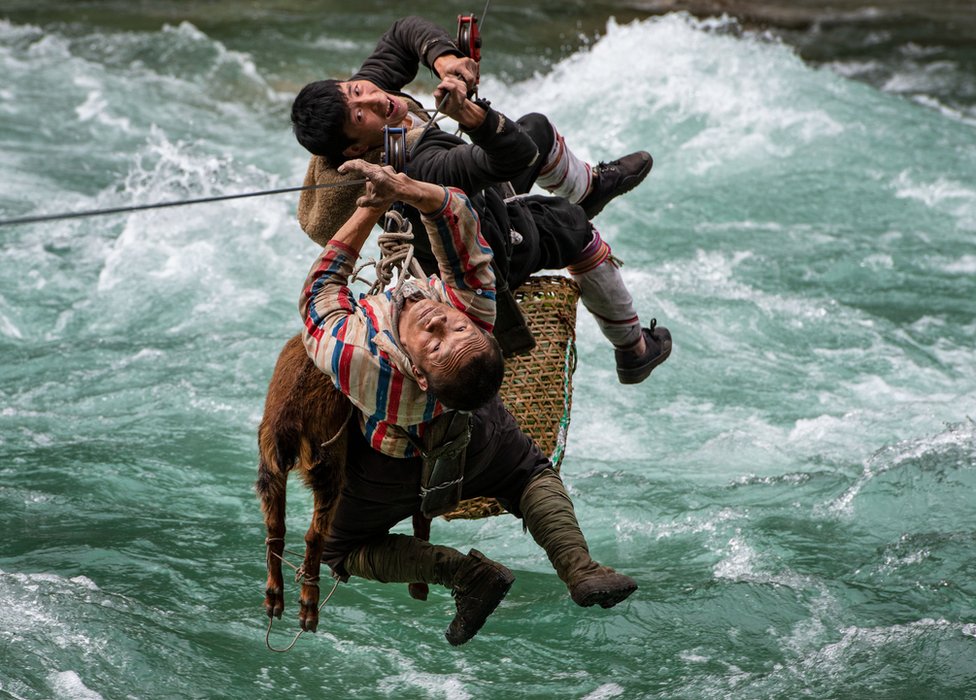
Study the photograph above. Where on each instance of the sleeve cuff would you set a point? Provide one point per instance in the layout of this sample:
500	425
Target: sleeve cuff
492	124
342	247
438	49
441	209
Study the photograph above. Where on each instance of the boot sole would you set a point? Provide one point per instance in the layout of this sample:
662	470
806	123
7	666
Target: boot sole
605	598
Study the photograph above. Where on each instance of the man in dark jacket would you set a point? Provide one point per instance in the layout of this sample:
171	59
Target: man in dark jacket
339	120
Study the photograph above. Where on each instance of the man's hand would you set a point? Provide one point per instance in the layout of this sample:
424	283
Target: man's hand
384	186
451	97
467	69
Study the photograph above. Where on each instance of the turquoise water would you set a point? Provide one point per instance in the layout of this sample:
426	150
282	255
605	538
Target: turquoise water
792	489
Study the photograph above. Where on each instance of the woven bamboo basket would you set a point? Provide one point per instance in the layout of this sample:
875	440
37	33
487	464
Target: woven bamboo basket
538	386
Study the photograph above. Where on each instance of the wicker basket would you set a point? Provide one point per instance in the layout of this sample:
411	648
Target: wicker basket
538	387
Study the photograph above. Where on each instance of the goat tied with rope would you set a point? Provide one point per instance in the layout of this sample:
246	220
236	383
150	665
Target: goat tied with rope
304	424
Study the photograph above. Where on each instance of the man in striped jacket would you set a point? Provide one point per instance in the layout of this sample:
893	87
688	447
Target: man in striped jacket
404	359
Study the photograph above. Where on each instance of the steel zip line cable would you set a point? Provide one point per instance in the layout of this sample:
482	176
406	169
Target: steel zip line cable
175	203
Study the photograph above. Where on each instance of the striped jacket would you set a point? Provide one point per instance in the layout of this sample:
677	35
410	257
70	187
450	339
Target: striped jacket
355	342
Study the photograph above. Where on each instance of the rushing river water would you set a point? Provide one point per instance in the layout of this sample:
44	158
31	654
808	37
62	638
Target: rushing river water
791	489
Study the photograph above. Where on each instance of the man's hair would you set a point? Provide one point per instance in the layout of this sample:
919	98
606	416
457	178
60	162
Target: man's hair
475	383
318	117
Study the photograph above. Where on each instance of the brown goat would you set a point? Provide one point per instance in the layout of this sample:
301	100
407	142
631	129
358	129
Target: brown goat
304	424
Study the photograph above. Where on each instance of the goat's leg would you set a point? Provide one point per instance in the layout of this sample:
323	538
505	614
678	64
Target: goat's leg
271	490
308	601
325	483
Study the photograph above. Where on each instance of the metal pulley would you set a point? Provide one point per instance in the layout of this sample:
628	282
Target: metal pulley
469	38
395	151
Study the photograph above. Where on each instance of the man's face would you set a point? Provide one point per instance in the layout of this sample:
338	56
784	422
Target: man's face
370	109
438	338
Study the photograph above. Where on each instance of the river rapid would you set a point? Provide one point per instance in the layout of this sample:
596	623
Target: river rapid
791	489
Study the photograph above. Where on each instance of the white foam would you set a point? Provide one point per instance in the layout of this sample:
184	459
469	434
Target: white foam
49	46
739	563
810	633
858	640
8	327
605	691
692	524
952	197
893	457
445	686
968	117
197	254
95	107
84	582
68	685
855	69
721	100
742	563
449	686
963	265
43	605
224	68
328	43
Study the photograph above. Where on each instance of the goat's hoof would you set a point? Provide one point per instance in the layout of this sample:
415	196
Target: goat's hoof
310	622
274	602
308	614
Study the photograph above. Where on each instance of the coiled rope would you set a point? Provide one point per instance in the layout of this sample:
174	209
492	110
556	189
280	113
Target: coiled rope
396	254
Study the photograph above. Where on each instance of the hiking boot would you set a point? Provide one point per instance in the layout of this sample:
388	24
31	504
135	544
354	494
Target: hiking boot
604	587
479	588
550	518
615	178
633	368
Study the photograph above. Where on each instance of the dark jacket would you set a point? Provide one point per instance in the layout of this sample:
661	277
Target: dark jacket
500	149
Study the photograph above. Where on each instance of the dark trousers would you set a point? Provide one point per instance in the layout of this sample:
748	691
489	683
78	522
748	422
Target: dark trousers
380	491
540	130
554	231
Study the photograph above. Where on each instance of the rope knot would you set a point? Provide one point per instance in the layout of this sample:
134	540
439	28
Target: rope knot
396	253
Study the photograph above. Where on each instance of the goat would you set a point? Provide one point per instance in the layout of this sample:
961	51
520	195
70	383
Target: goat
304	425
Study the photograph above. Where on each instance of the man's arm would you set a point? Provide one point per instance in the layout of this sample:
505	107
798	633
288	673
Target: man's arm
336	334
326	301
405	45
500	149
466	278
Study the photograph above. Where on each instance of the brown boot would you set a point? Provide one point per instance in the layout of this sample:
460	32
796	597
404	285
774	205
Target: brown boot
478	584
478	589
548	514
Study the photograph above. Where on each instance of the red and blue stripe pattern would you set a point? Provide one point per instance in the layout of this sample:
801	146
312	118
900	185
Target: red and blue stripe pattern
352	340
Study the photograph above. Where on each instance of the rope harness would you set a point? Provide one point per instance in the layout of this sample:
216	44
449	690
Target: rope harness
300	577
